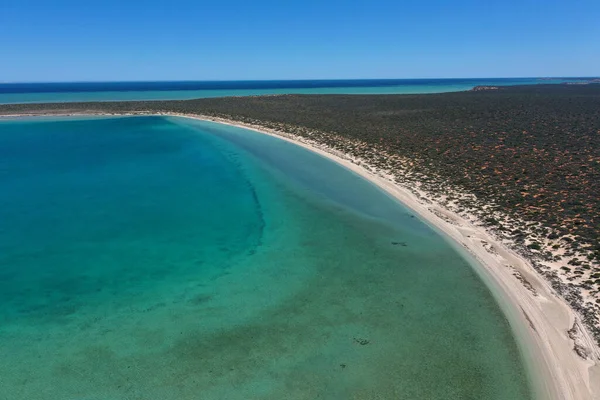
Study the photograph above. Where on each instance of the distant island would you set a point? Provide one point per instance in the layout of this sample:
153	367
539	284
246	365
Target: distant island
521	163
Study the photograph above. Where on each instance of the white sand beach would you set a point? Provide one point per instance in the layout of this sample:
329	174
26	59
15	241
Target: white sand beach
540	318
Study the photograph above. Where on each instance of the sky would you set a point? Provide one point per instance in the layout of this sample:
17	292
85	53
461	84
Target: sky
123	40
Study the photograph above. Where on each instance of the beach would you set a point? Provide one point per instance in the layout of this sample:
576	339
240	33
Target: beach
540	318
547	328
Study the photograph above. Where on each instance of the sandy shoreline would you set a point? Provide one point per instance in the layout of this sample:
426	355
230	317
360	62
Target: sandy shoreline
543	318
547	327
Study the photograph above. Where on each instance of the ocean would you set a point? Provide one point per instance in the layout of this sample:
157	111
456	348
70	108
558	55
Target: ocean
114	91
166	258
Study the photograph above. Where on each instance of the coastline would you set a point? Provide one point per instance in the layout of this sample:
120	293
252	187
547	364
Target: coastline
547	327
541	320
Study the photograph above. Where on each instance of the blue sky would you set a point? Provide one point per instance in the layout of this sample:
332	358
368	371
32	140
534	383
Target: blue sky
44	40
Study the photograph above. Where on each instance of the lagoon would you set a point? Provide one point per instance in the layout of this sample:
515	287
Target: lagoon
164	258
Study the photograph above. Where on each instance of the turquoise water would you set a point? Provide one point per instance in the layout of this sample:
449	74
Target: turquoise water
164	258
114	91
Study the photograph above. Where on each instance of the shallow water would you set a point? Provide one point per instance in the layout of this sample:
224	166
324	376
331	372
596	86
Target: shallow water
162	258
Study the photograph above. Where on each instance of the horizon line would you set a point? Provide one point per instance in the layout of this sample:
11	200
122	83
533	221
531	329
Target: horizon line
293	80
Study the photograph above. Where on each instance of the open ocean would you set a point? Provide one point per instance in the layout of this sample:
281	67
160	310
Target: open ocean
170	259
109	91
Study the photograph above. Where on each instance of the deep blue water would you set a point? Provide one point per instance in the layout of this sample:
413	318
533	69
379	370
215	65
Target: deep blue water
274	84
172	259
106	91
